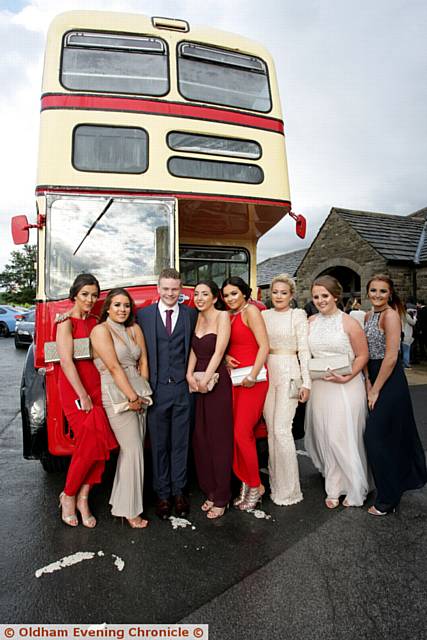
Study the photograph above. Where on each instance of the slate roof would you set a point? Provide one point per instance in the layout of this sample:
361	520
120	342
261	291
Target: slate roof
285	263
394	237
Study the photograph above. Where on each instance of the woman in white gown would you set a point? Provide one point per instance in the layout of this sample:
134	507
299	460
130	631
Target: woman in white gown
287	331
336	412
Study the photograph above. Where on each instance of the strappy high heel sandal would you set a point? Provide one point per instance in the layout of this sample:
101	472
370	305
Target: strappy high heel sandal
137	522
71	520
90	521
253	497
332	503
242	496
215	513
207	505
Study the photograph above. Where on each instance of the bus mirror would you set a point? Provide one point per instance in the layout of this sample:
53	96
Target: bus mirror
301	224
20	229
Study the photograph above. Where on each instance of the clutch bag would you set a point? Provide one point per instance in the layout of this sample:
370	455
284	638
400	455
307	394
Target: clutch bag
320	367
118	399
82	350
294	388
239	374
198	375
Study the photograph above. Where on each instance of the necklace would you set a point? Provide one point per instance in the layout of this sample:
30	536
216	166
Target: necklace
234	313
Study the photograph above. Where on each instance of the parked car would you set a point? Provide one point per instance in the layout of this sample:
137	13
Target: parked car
24	331
8	318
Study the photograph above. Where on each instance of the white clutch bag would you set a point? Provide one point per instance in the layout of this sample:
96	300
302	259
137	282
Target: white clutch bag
320	367
120	403
239	374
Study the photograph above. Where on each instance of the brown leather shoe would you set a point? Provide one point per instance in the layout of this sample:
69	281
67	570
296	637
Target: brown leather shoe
182	506
163	508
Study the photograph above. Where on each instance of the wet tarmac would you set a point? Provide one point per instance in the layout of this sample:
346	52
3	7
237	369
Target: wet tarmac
299	572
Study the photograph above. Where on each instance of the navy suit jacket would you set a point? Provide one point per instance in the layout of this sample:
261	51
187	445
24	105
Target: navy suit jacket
146	318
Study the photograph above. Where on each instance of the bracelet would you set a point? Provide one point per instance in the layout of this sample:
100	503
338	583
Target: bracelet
132	401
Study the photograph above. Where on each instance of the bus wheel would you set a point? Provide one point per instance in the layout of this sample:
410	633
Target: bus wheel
4	330
53	464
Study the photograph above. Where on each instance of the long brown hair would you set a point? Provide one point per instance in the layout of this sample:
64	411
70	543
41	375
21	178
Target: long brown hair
394	300
119	291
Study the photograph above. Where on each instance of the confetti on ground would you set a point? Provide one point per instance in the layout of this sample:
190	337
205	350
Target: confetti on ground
180	523
260	514
119	563
67	561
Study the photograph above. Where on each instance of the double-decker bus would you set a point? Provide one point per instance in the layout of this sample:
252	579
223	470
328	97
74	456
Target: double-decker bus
160	145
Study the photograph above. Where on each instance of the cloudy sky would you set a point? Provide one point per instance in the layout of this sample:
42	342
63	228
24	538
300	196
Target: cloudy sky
353	84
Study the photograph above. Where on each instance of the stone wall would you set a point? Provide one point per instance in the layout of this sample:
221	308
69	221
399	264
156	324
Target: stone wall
338	244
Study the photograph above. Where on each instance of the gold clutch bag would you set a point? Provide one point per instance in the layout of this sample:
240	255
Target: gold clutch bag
198	375
82	350
119	401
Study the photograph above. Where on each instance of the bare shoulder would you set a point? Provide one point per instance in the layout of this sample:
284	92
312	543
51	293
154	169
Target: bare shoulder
136	329
223	318
99	330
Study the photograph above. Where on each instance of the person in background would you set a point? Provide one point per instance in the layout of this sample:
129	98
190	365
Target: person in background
408	323
248	347
394	449
81	400
213	430
287	331
357	313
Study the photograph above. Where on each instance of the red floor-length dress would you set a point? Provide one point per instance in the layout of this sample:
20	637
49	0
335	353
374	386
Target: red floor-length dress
92	432
248	404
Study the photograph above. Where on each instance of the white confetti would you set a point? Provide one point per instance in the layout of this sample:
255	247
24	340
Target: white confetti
179	522
119	563
258	513
101	553
67	561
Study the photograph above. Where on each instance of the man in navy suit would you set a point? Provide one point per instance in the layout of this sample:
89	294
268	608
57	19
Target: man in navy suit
167	328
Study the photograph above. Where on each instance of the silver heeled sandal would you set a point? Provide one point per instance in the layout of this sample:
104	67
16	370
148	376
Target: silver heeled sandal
71	519
242	496
90	521
253	496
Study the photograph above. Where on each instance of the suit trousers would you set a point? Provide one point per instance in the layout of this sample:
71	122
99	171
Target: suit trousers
169	427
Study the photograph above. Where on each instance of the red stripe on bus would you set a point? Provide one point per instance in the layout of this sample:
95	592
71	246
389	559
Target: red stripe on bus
157	107
41	190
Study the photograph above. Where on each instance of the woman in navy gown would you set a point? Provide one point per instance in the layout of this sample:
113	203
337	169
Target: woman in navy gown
393	446
213	432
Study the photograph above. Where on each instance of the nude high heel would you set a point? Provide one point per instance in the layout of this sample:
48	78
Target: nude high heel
71	519
90	521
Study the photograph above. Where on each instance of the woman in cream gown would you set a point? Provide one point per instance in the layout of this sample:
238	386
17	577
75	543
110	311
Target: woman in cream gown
287	331
120	357
336	412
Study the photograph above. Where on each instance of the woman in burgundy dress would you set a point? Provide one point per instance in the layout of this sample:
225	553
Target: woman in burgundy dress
80	394
248	348
213	433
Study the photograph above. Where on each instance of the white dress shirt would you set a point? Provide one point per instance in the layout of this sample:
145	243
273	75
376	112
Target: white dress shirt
175	313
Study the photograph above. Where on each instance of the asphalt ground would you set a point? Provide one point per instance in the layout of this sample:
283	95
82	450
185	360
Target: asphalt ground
303	573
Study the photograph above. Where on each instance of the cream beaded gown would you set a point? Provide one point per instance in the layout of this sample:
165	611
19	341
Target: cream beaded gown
336	416
287	334
129	428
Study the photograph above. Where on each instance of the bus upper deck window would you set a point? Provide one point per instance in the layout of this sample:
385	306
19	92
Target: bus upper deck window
115	63
223	77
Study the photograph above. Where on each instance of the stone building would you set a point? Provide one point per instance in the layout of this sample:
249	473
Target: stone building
354	245
285	263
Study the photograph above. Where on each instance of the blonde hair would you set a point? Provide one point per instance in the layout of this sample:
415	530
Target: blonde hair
286	279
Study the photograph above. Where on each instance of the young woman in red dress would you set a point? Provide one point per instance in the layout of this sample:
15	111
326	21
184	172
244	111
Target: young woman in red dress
80	393
248	347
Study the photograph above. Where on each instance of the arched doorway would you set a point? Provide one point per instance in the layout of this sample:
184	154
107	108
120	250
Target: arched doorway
349	280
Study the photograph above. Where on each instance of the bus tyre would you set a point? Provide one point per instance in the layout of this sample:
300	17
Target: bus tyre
53	464
4	330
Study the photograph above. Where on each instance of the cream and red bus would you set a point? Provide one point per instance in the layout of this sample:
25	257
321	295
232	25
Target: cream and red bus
161	144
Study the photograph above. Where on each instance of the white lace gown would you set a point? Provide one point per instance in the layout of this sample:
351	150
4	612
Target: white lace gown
287	332
336	416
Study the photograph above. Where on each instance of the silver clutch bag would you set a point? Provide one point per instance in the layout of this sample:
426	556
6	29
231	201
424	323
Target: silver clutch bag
239	374
81	350
119	401
320	367
294	388
198	375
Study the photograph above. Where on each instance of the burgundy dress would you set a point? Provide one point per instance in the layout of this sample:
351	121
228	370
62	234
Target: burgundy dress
92	432
213	432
